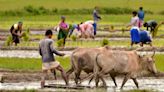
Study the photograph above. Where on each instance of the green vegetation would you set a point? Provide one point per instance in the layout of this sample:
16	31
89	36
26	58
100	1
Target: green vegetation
26	64
25	35
153	5
49	21
74	38
25	90
159	62
60	43
46	14
104	42
30	10
8	41
34	64
91	43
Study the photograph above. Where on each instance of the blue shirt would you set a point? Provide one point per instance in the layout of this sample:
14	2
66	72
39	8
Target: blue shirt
96	17
141	15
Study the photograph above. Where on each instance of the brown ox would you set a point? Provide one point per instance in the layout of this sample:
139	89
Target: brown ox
126	63
83	59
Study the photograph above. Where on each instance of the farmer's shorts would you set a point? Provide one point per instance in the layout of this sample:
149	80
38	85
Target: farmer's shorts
50	65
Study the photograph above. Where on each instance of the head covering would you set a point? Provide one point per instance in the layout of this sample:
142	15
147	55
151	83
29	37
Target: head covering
62	17
20	23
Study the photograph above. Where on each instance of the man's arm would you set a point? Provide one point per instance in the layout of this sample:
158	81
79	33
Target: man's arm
13	32
131	23
55	51
97	15
40	50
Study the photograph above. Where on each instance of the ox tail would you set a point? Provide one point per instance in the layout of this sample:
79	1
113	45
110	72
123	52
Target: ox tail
70	71
88	77
96	67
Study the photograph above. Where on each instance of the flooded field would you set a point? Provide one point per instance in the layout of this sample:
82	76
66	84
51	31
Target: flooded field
35	54
154	84
24	53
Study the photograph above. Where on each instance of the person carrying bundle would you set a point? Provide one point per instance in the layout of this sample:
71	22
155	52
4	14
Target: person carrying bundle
63	30
16	32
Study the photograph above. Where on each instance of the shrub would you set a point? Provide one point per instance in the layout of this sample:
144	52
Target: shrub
148	12
54	10
104	42
123	30
112	27
31	10
64	11
116	10
60	43
25	35
74	38
8	41
162	12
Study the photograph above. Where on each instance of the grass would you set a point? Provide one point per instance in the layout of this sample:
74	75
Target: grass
159	62
92	43
34	64
25	90
154	5
48	21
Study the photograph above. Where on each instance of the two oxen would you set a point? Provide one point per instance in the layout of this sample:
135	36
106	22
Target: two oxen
102	61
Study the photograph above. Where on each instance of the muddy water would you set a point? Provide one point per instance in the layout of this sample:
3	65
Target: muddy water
24	53
154	84
35	54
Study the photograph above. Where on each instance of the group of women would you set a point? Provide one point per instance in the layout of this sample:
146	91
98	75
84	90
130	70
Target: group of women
138	36
83	30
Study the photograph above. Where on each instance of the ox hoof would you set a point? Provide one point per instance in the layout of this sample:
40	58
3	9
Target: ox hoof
103	85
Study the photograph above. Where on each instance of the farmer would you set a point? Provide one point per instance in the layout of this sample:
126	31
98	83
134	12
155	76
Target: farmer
96	18
16	32
145	38
87	30
49	63
141	16
152	24
134	32
72	29
92	23
64	29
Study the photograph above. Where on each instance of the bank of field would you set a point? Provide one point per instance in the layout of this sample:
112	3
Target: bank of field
153	5
34	64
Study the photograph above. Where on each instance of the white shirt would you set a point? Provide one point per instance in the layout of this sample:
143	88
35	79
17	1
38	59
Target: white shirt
134	21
